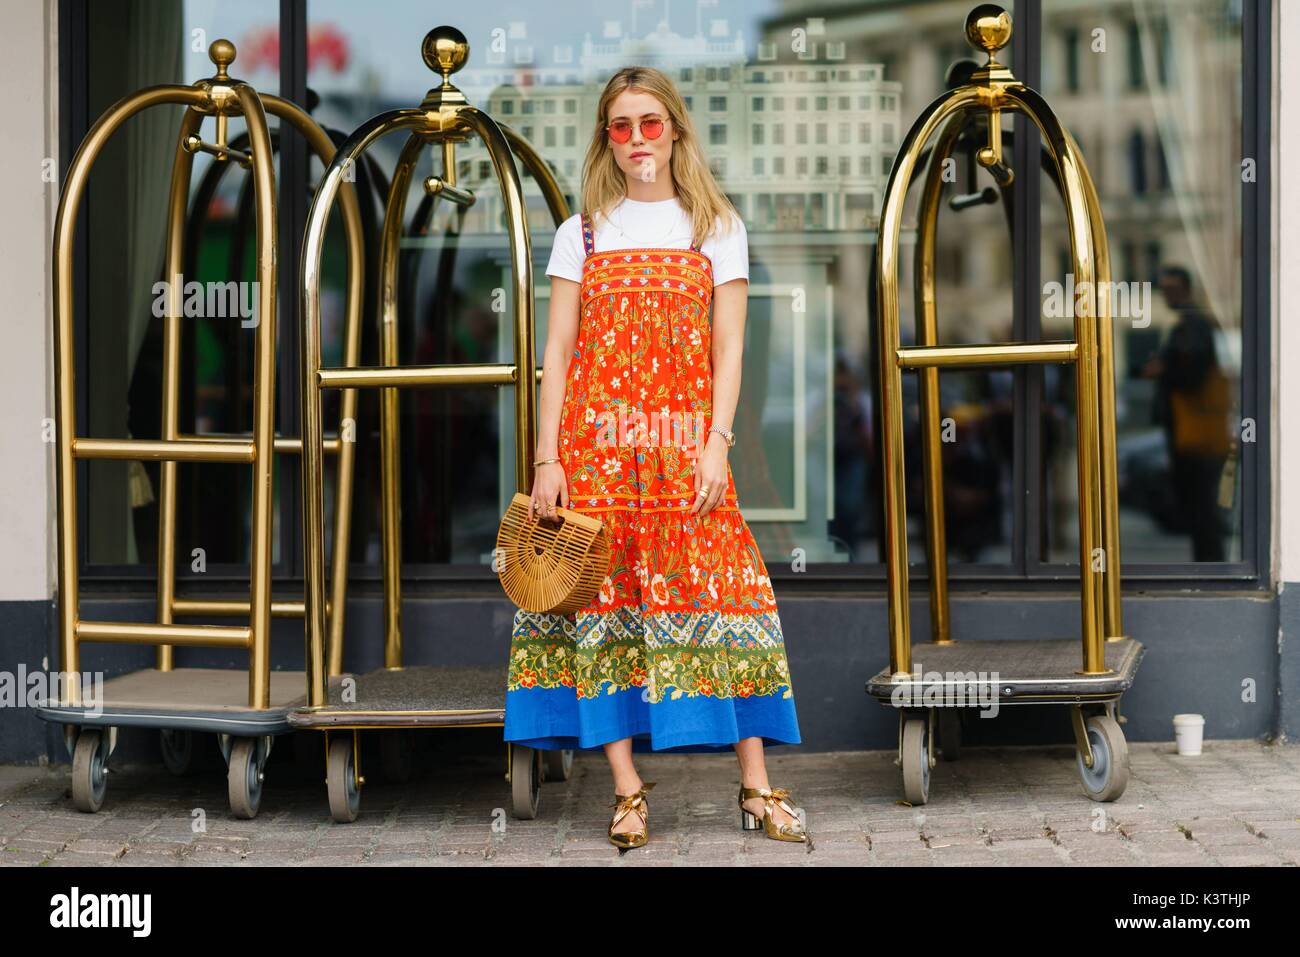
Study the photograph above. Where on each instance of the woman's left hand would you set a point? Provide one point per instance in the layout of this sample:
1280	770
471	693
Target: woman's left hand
711	474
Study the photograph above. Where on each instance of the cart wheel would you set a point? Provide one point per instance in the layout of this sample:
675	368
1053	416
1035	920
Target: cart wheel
525	781
950	733
557	765
1108	776
397	753
244	778
90	771
916	760
345	796
177	750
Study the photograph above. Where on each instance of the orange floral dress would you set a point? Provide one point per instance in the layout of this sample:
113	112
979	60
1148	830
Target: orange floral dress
682	647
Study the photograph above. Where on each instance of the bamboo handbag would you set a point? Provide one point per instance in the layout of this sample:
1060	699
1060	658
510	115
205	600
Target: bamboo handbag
551	566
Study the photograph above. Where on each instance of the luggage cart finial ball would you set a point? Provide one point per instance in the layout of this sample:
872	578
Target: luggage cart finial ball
951	678
445	51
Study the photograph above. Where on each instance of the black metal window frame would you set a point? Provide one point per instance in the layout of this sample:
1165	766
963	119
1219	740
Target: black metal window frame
1025	570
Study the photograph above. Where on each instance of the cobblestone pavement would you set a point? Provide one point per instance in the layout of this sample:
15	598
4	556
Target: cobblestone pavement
1237	804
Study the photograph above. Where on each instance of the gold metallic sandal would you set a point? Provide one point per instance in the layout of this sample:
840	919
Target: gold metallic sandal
626	803
793	831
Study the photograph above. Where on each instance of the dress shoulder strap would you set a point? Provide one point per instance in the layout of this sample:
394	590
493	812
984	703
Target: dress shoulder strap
588	236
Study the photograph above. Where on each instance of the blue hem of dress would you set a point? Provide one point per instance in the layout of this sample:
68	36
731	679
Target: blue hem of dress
554	719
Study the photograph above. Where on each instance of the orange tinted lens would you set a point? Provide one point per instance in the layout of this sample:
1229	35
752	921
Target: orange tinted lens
620	131
651	129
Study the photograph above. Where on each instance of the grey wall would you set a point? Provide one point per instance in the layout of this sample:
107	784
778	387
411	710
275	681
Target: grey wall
24	630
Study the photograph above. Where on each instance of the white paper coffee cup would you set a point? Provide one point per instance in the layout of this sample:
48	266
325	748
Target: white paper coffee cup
1188	732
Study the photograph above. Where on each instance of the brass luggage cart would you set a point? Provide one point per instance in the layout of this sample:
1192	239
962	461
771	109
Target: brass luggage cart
398	699
964	674
246	709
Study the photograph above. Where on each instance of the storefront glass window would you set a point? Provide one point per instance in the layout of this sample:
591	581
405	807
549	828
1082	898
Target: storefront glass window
138	43
1163	141
803	462
802	118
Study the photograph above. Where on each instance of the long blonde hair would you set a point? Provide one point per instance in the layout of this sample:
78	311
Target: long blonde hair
604	184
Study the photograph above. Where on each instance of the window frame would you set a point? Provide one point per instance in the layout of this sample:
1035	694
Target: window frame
1024	571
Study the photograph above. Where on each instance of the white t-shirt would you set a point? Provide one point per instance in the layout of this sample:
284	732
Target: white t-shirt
632	224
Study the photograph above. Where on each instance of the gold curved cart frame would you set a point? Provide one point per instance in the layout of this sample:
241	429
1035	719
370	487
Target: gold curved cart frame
993	90
443	119
221	97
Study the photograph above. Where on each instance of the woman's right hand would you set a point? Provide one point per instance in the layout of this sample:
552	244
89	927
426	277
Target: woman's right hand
550	485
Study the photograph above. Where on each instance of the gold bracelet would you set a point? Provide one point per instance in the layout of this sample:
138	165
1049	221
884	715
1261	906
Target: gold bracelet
544	462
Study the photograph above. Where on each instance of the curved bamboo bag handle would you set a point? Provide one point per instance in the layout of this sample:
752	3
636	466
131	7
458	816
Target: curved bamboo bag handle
547	566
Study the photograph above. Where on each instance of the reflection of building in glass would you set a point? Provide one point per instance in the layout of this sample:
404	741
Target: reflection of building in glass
1154	100
802	117
1157	114
800	142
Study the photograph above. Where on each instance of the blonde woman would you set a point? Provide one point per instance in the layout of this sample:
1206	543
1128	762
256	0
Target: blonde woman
682	649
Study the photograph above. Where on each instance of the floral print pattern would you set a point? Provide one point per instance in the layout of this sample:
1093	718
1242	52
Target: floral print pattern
687	609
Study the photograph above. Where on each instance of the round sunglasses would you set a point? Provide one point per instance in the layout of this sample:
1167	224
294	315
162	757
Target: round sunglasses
620	131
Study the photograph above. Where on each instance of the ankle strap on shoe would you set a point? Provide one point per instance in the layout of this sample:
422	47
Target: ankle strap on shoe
770	796
627	797
632	802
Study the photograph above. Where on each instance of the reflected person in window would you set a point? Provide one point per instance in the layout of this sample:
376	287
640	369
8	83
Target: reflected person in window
1193	405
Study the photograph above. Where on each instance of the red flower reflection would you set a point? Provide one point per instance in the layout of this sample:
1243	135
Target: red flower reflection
327	48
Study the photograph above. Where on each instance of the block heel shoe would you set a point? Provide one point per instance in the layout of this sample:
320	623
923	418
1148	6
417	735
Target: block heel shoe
772	797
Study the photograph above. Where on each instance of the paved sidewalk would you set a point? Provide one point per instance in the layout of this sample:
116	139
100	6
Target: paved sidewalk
1237	804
